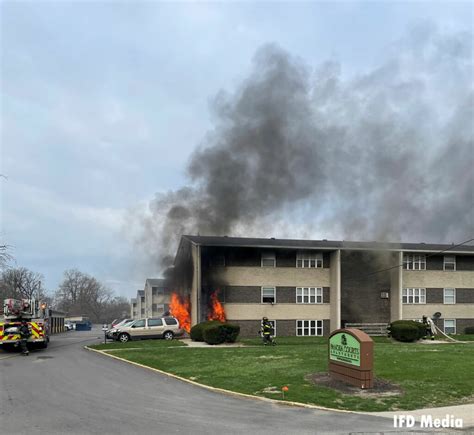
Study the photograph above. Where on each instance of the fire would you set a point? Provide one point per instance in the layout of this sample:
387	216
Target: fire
216	310
181	309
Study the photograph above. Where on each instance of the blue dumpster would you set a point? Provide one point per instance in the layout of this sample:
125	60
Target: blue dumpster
83	326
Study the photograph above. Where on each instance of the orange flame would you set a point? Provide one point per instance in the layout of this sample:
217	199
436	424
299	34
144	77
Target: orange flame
216	310
181	309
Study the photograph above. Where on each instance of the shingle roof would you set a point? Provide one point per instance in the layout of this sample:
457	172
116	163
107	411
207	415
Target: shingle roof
156	281
323	244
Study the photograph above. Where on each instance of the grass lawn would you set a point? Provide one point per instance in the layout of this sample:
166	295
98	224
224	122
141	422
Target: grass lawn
429	374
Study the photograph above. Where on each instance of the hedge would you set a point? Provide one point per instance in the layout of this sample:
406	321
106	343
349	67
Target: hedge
215	332
197	331
407	330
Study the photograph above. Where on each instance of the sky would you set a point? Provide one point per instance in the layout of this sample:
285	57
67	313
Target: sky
103	104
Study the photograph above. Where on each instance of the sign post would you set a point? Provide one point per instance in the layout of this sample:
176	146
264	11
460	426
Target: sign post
351	357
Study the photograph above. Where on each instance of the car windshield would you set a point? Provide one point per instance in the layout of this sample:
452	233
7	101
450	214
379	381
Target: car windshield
123	322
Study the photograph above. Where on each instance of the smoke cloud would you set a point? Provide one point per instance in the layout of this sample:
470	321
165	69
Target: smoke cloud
296	152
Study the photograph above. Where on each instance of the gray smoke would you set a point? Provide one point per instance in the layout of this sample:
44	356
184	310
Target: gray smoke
387	155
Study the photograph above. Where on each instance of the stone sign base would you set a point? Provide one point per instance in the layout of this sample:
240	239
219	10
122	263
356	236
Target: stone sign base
357	377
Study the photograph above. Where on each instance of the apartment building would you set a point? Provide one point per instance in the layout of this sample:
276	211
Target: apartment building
157	297
311	287
152	301
133	308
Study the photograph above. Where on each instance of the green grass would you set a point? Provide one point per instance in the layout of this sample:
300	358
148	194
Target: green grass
430	375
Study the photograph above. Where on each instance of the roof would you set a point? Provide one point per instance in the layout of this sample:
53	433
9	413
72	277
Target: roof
156	282
324	244
140	292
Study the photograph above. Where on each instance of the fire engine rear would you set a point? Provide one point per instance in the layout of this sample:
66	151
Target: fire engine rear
20	310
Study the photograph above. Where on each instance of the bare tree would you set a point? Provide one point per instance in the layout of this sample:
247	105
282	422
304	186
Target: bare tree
5	257
21	283
82	294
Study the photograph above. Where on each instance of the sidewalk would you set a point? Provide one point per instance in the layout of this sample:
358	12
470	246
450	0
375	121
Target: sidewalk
190	343
466	412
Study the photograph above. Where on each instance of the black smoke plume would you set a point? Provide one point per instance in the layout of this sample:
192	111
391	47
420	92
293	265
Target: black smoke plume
387	155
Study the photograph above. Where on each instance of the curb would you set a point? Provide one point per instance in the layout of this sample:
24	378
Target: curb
229	392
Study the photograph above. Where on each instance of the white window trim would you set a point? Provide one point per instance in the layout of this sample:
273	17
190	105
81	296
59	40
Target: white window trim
268	256
444	296
305	255
449	262
309	297
409	261
455	326
413	296
274	293
309	327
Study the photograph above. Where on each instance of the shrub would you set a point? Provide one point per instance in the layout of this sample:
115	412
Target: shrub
232	332
197	331
469	330
215	333
407	330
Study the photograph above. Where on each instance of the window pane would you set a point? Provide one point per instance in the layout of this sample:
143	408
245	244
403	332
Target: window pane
299	263
155	322
171	321
313	263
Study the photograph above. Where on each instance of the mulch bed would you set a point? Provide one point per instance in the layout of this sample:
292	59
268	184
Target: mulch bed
381	386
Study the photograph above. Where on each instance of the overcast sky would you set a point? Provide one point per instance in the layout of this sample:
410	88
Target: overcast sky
103	103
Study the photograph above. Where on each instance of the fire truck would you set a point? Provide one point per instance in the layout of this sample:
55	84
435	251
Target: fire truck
34	313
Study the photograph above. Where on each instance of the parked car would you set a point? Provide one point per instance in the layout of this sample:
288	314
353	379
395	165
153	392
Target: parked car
112	332
68	326
157	327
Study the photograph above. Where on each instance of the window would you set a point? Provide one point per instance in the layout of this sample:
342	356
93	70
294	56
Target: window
414	296
143	299
307	328
142	311
155	322
449	262
268	259
268	295
139	324
414	262
309	295
217	261
450	326
309	259
157	291
171	321
449	296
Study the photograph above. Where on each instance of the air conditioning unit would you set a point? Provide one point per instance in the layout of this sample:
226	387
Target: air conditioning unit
384	295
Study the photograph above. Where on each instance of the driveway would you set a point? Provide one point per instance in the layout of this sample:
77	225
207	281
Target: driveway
68	390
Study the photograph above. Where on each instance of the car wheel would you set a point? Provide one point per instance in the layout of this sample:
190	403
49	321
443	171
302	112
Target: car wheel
123	338
168	335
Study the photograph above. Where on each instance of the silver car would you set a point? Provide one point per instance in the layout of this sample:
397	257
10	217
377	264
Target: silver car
156	327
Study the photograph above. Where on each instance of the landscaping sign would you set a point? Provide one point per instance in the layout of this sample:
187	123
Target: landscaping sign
351	357
345	348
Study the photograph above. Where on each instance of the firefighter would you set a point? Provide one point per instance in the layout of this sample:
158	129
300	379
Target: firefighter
267	332
429	331
25	333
